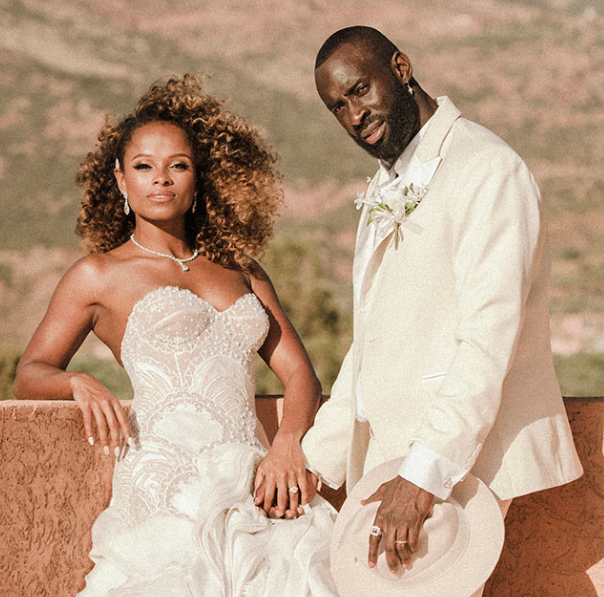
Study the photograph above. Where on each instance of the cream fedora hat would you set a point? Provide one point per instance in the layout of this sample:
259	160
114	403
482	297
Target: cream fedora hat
458	549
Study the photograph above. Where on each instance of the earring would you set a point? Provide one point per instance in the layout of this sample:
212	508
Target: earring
194	206
410	89
126	205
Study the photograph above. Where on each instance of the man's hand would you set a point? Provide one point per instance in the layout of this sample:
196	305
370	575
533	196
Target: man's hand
272	512
282	473
400	516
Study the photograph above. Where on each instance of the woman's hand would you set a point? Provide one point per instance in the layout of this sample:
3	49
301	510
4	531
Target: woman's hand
97	403
283	470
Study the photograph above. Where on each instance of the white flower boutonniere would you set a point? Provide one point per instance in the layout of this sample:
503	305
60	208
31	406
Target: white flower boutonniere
392	207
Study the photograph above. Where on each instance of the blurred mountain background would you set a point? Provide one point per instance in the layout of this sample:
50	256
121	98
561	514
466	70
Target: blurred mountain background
530	70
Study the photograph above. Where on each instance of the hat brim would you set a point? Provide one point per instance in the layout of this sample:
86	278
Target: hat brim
476	536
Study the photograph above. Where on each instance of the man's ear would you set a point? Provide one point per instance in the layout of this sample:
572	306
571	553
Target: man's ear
401	67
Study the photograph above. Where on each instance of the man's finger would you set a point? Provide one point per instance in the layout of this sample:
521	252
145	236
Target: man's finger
402	547
376	496
392	555
414	537
374	542
273	513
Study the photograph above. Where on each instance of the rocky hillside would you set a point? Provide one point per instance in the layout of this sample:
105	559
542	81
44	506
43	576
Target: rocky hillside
532	70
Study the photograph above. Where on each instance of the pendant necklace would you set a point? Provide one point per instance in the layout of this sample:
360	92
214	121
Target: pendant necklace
181	262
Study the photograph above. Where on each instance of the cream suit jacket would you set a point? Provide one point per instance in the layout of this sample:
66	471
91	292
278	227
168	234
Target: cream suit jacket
451	339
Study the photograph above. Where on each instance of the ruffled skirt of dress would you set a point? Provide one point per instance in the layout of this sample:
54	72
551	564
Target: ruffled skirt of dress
227	550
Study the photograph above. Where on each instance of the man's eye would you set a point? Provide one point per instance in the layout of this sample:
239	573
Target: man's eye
362	90
337	108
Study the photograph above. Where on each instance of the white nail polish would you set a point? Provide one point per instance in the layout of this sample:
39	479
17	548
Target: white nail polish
106	450
91	440
116	451
130	442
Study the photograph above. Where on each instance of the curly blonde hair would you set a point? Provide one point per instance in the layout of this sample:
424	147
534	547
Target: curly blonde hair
238	188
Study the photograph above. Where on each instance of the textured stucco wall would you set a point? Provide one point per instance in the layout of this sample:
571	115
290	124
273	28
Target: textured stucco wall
53	485
555	539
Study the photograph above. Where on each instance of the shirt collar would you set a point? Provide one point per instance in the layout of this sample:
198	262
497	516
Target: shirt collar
388	173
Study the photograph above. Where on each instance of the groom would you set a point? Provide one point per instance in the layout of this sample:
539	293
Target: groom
451	364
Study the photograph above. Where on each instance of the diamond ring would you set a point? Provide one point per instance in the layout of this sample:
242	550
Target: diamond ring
293	489
375	531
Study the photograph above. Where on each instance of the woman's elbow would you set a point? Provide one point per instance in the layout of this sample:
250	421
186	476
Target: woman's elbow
22	387
18	389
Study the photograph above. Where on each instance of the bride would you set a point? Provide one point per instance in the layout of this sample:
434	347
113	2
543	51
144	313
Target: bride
177	196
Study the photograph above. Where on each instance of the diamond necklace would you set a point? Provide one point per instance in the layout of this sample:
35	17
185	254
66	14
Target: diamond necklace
181	262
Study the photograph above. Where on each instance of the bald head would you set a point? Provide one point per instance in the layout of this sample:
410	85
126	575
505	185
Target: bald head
367	83
367	38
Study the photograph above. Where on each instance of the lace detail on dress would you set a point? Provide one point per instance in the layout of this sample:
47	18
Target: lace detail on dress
191	369
182	520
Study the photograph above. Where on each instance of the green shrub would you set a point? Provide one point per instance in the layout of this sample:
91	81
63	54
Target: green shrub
581	374
306	290
9	358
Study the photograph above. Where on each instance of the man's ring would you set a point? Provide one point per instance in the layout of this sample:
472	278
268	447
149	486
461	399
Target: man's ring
375	531
402	542
293	489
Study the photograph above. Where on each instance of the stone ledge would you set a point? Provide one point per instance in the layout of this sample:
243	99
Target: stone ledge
53	485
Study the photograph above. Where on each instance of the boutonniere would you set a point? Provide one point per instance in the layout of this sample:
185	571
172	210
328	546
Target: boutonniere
391	208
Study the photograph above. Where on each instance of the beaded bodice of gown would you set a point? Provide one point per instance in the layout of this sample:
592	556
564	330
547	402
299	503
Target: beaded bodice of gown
192	373
182	520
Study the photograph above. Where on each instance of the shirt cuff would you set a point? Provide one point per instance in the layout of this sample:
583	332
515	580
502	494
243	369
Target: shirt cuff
321	479
431	471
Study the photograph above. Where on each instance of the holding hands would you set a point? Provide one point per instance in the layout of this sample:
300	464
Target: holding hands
283	485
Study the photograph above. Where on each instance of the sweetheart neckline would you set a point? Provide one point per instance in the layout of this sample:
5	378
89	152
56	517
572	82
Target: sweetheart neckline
186	291
191	293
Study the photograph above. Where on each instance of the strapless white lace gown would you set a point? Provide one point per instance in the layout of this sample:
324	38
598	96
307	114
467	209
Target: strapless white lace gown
182	522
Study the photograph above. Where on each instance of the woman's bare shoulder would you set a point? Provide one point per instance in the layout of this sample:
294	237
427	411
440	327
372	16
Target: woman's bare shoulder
93	274
256	274
262	286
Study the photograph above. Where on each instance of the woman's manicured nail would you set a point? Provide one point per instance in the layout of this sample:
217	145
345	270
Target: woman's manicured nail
91	440
130	442
106	450
116	451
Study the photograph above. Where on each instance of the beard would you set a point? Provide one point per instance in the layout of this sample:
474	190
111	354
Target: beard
403	123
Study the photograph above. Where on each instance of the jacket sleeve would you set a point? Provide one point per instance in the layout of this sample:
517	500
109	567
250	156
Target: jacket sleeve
497	234
326	443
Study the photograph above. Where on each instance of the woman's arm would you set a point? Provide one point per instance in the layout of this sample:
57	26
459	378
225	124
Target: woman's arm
284	466
41	371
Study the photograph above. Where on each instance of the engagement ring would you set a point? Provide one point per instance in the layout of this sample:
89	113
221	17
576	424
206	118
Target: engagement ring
293	489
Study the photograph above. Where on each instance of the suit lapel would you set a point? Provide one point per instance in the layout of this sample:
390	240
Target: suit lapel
422	169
